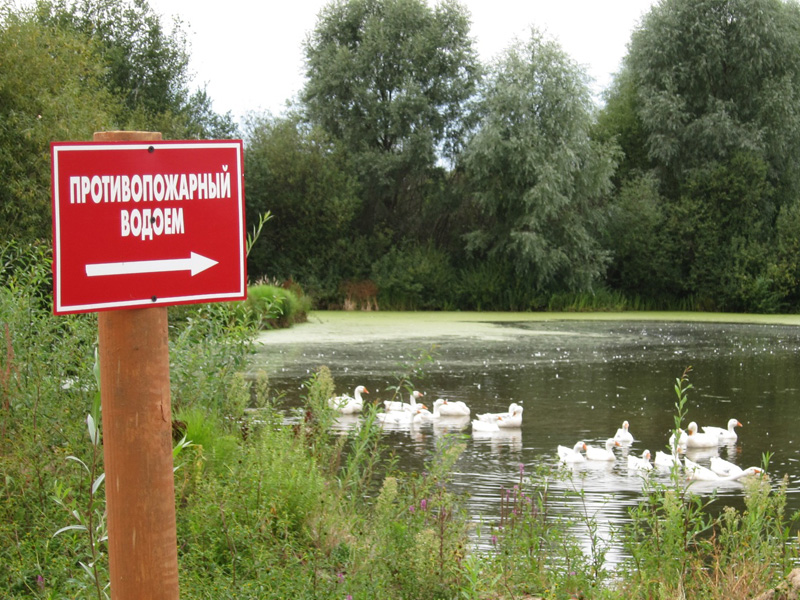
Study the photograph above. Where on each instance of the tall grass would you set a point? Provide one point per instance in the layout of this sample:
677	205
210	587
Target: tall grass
275	508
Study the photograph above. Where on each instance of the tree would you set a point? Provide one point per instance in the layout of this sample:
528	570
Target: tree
147	66
294	172
538	177
715	78
390	80
707	102
51	88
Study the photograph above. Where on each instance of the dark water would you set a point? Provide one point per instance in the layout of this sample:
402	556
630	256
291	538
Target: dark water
577	380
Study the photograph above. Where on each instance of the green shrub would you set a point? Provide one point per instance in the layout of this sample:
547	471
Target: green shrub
271	307
414	278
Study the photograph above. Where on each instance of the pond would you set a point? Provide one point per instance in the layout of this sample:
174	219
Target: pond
577	378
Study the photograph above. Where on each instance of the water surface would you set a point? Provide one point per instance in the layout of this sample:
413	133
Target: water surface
577	379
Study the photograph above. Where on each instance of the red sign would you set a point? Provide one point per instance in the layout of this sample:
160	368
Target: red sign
139	224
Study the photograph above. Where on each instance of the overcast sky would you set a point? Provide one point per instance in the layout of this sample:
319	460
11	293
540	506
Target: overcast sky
249	53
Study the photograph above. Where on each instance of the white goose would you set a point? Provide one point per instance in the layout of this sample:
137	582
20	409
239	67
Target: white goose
490	417
404	417
411	405
697	472
699	440
666	461
513	420
636	463
453	409
724	435
623	436
486	426
593	453
722	467
348	405
572	455
682	439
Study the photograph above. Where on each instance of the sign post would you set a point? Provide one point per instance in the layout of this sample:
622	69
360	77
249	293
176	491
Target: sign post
137	445
140	224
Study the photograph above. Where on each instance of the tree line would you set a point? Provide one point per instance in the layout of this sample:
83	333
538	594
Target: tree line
409	174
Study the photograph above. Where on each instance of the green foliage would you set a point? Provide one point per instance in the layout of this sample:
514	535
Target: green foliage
51	88
146	66
302	179
715	78
209	349
209	439
390	80
419	534
533	549
269	507
705	106
731	208
47	387
71	68
537	176
417	278
639	242
269	306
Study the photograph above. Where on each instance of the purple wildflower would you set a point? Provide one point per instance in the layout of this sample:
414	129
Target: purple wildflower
40	582
341	577
494	540
423	504
412	508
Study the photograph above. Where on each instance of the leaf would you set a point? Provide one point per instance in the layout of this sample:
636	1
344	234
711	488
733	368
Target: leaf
79	461
87	568
70	528
98	482
184	443
94	434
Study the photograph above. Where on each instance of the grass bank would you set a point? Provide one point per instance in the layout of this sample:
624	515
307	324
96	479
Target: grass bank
269	510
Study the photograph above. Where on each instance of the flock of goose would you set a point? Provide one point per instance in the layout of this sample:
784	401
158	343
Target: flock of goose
720	470
414	412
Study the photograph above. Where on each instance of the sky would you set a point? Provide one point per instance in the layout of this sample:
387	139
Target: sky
248	53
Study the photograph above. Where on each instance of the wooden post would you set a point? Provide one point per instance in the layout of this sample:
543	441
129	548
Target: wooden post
137	444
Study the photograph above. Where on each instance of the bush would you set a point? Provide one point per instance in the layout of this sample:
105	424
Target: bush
414	278
271	307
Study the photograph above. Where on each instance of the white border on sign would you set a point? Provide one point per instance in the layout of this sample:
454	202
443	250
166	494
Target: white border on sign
143	302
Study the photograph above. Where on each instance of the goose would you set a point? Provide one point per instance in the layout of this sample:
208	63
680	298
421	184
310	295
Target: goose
411	405
623	436
513	420
593	453
682	438
572	455
437	411
490	417
421	415
348	405
666	461
453	409
699	440
722	467
725	435
697	472
404	417
486	425
636	463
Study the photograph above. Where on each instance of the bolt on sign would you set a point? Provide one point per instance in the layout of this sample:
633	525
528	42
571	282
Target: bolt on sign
138	224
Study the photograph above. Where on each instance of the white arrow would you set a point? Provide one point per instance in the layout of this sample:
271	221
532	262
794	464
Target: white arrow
195	263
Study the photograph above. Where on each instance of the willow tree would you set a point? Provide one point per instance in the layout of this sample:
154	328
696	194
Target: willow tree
537	176
390	80
712	87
